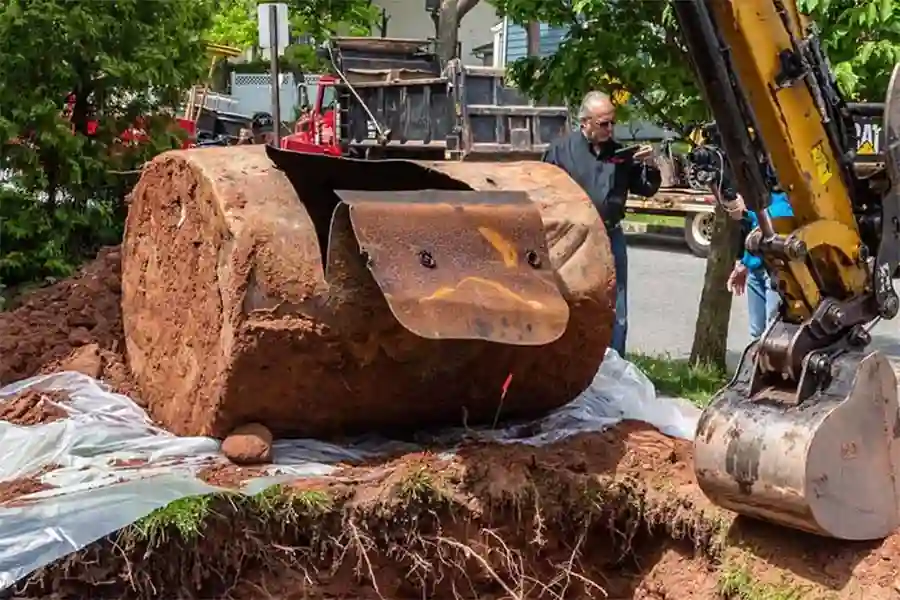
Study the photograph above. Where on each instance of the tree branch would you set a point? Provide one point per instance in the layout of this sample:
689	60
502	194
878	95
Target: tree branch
448	30
651	108
464	7
533	37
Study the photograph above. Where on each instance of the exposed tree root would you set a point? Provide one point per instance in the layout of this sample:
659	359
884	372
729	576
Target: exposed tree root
415	535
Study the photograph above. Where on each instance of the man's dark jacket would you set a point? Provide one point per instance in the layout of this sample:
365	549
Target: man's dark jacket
605	178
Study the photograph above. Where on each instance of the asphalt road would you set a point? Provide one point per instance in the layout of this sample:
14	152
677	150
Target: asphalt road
665	282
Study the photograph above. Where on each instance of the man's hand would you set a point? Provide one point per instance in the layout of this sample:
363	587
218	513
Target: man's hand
644	154
737	281
735	208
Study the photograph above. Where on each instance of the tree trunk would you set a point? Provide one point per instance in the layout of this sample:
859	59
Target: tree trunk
448	30
451	13
711	332
533	33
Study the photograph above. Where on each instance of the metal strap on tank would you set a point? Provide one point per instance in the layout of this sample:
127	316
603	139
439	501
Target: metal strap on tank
457	265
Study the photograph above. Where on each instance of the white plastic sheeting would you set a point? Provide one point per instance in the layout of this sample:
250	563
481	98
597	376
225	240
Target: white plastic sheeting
94	494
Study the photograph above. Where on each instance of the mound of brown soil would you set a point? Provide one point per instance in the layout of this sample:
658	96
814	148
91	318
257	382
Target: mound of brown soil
11	491
75	324
613	515
33	407
229	476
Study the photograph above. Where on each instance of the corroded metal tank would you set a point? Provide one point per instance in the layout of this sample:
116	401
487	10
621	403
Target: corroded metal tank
326	297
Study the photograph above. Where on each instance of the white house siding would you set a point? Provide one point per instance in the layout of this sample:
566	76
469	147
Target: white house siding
409	19
517	41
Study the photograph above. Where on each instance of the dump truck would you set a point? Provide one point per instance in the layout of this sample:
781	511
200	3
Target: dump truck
391	98
456	280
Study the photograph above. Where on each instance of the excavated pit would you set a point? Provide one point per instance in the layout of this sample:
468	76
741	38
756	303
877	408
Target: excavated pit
612	515
569	520
229	318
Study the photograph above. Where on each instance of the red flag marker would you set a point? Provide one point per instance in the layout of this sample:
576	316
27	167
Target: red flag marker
506	386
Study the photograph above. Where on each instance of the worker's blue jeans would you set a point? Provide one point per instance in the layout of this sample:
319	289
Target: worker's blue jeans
620	260
762	302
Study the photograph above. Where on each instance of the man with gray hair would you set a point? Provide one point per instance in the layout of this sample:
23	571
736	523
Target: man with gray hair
607	172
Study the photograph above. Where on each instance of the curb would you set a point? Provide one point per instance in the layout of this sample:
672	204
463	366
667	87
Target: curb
645	228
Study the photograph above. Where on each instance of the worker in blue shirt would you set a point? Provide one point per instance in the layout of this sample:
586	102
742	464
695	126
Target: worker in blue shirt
750	276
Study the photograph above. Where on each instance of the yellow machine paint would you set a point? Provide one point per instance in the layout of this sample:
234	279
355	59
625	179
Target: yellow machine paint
800	152
806	432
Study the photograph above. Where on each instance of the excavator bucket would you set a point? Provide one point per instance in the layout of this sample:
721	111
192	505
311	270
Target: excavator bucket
828	462
829	465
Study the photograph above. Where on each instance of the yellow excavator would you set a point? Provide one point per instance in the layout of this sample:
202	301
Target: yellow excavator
805	434
324	296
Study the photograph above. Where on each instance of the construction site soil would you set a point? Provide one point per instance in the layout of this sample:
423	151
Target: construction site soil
33	408
599	515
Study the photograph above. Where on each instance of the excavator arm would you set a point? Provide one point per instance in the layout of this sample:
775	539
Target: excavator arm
806	432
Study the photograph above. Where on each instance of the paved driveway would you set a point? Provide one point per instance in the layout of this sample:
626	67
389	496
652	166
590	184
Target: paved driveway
665	282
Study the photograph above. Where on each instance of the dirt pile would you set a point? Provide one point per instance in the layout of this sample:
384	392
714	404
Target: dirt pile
74	324
11	491
33	407
612	515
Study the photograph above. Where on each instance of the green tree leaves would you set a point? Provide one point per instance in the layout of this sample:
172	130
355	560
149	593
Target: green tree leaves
116	61
612	45
862	39
64	183
234	24
636	45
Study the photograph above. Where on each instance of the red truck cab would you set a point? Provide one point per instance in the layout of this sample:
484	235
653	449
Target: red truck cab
314	131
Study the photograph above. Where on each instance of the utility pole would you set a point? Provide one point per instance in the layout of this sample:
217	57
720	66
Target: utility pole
272	21
273	70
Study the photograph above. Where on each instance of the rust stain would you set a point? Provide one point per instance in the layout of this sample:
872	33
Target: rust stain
445	291
506	248
849	450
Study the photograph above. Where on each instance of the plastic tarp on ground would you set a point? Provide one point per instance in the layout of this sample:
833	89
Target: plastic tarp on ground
95	492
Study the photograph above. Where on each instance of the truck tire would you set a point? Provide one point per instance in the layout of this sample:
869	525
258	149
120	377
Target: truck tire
698	228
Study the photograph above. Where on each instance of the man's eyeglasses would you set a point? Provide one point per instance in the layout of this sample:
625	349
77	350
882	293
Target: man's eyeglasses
599	123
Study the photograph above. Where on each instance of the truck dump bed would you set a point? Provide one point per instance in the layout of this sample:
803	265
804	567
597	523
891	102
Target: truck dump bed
465	113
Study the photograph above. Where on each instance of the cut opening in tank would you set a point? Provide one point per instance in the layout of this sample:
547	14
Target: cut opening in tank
315	177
